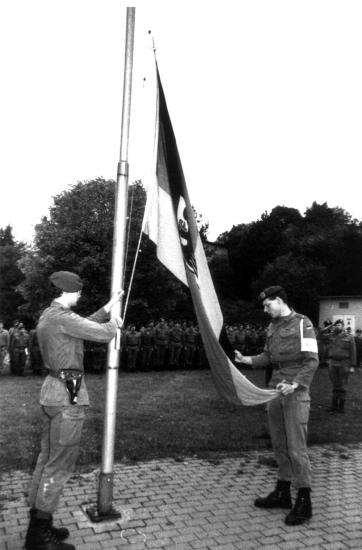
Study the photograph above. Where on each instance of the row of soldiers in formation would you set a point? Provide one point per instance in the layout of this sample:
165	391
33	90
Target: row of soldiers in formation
19	347
156	345
170	344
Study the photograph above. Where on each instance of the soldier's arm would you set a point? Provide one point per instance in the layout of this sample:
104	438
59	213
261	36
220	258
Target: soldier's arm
353	352
309	350
86	329
102	314
255	361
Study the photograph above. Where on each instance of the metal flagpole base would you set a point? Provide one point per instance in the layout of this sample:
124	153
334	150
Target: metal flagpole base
104	510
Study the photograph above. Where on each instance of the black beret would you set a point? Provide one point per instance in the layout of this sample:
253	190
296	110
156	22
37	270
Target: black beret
271	291
66	281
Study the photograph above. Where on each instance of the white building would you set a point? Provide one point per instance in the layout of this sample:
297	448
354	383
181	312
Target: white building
348	308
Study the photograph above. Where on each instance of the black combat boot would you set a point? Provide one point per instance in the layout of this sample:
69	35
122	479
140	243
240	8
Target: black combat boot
279	498
41	534
61	533
302	509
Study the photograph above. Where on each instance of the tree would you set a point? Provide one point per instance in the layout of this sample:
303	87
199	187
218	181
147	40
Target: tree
317	254
10	275
78	236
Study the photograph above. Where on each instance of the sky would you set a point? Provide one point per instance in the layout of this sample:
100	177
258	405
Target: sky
264	97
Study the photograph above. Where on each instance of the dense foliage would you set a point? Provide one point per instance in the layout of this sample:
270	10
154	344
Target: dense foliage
314	254
78	236
10	275
317	254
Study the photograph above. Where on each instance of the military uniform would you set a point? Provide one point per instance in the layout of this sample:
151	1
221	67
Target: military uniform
190	346
161	345
291	347
147	344
60	334
19	348
36	360
4	346
341	356
176	335
132	345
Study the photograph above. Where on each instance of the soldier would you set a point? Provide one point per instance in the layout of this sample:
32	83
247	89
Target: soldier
190	345
292	347
36	360
4	344
132	345
12	330
231	334
341	356
147	346
19	349
161	344
200	355
358	341
240	338
64	400
323	342
176	336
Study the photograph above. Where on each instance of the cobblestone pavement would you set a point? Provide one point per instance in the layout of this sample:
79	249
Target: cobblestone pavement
193	503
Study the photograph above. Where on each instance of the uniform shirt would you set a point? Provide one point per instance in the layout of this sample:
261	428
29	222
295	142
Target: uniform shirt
147	337
20	339
342	347
190	336
132	339
291	344
161	335
176	335
60	334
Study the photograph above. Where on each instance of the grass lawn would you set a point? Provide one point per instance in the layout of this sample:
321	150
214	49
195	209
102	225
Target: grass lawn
166	414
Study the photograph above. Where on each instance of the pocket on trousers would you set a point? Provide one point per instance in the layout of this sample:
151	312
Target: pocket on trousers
71	426
303	404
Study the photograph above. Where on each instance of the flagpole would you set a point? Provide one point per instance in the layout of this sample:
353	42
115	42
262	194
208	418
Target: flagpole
105	490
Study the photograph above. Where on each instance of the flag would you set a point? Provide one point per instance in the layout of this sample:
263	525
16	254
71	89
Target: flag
170	223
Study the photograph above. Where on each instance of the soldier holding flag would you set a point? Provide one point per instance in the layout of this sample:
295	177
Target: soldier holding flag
292	348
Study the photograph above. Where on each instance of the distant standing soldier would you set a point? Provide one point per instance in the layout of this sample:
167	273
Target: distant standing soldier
19	349
147	344
176	344
200	355
190	346
358	341
341	357
161	344
240	338
12	330
132	345
4	344
36	360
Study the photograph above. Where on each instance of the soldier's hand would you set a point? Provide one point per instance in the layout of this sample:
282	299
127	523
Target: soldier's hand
238	356
114	299
285	388
118	320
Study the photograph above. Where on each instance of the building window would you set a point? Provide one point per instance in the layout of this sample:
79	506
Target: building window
343	305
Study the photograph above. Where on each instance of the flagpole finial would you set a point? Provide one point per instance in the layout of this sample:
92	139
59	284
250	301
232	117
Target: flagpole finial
153	41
